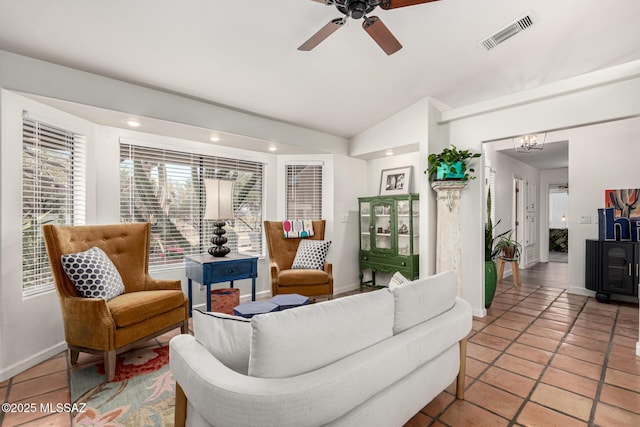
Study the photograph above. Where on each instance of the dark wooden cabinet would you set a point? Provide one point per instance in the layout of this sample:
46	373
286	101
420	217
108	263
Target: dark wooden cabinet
612	268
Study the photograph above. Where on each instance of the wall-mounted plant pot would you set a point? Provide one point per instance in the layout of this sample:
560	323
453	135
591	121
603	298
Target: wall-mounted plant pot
453	171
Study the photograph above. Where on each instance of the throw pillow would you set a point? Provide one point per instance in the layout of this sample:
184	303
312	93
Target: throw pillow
93	274
227	337
297	228
311	254
398	280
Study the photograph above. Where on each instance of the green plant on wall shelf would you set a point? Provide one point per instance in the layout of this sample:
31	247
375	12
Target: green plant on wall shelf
451	160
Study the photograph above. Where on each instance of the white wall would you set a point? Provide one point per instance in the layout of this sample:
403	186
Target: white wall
594	98
30	329
344	180
416	130
602	156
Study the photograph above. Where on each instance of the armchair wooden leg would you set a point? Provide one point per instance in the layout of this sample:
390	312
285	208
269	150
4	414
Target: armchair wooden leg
110	364
180	407
185	326
73	355
462	372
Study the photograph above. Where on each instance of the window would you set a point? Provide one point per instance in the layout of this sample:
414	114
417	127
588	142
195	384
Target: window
304	191
53	192
166	188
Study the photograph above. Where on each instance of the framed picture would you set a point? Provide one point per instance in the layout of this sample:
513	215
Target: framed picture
395	181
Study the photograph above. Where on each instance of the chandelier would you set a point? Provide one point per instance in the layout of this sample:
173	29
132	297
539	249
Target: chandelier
529	143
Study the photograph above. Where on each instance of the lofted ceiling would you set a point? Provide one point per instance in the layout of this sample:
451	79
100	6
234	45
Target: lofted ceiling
243	54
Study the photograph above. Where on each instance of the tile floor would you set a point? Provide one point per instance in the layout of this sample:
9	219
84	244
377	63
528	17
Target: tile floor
540	358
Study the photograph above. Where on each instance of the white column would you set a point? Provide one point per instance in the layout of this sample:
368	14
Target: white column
448	254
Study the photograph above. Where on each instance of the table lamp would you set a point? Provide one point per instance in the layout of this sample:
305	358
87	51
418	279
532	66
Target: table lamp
219	194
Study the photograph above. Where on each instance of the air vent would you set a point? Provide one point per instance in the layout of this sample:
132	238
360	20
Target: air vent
508	32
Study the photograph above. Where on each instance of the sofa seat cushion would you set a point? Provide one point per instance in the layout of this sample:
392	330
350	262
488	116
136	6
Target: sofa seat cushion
133	307
303	339
302	277
423	299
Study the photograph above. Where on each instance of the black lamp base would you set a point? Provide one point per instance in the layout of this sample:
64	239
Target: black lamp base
218	240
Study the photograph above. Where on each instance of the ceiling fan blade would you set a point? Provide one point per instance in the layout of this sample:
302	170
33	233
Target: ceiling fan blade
381	34
394	4
322	34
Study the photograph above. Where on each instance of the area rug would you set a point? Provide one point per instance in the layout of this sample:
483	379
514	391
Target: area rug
142	393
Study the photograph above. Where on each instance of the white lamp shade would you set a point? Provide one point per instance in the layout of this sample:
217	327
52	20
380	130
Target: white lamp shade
219	195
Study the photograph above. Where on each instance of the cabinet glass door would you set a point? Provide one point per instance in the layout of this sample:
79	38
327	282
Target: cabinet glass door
382	228
403	225
365	226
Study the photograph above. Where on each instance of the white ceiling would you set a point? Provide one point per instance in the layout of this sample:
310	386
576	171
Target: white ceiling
243	54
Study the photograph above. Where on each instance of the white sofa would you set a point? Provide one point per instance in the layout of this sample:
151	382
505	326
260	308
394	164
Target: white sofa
372	359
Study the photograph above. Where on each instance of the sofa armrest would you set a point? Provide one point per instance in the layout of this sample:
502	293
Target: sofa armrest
151	284
88	323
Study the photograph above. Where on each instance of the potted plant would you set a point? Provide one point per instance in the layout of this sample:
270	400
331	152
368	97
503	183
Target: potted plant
451	163
510	248
490	252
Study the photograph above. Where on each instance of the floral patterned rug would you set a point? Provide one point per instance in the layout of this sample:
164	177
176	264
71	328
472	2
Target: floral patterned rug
142	393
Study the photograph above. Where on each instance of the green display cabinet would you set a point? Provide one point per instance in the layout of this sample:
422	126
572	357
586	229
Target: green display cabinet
389	236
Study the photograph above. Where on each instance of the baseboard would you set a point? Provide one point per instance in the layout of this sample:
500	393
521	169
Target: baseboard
32	361
580	291
346	288
482	312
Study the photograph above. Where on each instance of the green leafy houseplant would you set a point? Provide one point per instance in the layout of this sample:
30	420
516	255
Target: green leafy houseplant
509	247
449	157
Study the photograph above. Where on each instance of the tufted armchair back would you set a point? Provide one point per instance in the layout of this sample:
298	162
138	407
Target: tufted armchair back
127	245
283	251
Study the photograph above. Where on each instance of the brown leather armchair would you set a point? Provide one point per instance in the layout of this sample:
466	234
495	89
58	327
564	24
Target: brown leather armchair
282	252
147	308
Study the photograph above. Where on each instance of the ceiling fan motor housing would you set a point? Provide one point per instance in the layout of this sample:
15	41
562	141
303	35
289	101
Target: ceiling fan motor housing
356	9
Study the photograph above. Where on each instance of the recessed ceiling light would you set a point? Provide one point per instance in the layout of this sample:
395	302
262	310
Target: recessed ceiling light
214	139
389	153
134	123
273	148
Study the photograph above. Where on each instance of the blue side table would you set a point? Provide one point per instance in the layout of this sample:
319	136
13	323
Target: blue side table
207	269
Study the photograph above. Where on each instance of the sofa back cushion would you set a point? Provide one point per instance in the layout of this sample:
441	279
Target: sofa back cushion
299	340
423	299
226	337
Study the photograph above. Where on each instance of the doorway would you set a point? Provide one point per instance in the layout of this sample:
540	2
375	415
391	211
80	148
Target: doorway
558	222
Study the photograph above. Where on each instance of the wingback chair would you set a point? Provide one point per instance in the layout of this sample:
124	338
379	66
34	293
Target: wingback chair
282	252
147	308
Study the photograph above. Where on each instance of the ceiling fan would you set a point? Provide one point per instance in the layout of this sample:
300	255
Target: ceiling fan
357	9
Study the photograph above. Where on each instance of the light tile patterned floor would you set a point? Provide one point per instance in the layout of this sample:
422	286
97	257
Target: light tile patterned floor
540	358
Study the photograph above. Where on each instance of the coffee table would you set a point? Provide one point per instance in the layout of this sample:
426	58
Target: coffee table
277	303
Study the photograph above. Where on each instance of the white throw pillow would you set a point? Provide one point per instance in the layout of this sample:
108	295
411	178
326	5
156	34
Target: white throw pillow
227	337
398	280
423	300
93	274
303	339
311	254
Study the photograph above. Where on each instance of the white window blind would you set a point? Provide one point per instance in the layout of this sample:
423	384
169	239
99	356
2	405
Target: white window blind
166	188
53	192
304	191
